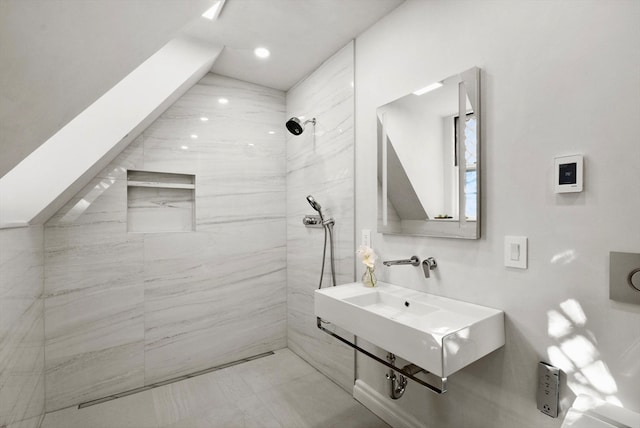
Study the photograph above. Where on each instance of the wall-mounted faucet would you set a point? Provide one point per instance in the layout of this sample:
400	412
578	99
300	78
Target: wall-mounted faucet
428	264
413	261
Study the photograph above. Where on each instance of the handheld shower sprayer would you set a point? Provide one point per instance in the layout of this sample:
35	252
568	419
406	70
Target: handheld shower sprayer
296	126
327	225
316	206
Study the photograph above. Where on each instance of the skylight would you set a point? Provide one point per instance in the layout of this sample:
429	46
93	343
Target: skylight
213	12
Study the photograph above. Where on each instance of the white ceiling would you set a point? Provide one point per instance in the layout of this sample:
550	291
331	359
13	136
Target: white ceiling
300	34
58	57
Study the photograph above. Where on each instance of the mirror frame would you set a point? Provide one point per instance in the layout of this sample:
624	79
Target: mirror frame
468	87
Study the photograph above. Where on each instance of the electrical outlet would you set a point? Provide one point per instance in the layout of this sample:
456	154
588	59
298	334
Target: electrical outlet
548	389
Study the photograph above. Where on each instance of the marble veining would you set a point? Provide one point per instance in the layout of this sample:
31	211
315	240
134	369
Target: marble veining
127	309
208	309
94	324
320	164
279	391
21	327
151	209
218	294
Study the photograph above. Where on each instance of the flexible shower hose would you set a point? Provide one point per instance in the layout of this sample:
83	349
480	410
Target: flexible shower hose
328	229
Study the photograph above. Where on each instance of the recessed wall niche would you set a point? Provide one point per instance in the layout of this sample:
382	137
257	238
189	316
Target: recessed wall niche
160	202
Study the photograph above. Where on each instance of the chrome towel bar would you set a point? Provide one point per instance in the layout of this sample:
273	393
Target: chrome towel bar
403	372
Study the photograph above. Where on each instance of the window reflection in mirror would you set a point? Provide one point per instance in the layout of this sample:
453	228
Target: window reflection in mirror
471	158
428	160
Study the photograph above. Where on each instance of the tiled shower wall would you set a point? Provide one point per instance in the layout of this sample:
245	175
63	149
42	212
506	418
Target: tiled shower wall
123	309
320	162
21	327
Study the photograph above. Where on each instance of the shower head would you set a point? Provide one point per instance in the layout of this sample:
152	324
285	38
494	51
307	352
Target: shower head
316	206
296	126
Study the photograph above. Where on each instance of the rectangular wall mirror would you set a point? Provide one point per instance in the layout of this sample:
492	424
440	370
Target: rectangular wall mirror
429	160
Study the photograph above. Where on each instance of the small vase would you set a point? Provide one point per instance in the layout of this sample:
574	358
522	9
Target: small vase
369	278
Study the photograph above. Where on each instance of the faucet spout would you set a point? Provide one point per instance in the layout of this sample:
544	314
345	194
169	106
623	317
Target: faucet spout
413	261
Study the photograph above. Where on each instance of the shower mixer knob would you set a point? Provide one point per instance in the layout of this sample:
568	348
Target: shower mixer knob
312	221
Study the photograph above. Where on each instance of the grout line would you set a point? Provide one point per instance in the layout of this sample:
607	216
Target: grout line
355	206
172	380
43	296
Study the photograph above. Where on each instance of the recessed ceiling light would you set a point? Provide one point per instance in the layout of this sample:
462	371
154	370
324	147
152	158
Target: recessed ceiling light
214	11
223	101
272	132
428	88
204	119
262	52
184	147
194	136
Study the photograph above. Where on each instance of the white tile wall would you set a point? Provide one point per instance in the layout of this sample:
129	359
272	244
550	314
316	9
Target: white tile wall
21	327
320	162
125	309
94	293
551	85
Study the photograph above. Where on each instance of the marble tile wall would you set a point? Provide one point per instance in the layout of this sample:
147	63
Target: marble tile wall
21	327
94	296
127	309
321	163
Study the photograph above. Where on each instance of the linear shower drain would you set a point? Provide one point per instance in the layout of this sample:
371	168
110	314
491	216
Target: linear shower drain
172	380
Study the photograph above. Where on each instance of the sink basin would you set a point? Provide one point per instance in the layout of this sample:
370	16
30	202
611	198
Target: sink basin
439	334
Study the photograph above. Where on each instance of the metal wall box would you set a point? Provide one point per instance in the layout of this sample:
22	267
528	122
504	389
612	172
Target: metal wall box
623	272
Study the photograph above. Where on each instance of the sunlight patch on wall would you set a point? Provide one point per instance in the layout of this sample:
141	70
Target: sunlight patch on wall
558	325
564	257
574	311
576	352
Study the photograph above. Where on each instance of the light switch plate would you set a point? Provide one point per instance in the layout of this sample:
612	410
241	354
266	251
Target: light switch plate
515	251
366	237
623	276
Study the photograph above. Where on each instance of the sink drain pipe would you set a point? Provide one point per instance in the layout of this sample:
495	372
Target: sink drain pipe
398	382
409	371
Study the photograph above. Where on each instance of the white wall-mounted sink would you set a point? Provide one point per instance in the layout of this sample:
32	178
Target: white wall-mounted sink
439	334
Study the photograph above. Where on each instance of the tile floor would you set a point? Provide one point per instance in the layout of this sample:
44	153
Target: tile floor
280	391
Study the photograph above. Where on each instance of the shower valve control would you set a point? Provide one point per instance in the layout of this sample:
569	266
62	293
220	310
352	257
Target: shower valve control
313	221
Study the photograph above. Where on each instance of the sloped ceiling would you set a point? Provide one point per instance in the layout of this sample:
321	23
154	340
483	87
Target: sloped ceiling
300	34
58	57
46	179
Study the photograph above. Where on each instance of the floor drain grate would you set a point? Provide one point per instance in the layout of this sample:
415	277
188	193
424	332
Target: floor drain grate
172	380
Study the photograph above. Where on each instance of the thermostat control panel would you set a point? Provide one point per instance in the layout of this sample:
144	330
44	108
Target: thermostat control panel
568	174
